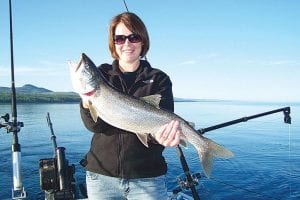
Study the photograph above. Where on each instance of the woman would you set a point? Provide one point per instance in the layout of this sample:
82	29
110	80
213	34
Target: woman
118	165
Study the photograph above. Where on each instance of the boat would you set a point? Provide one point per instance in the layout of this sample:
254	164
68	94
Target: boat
57	175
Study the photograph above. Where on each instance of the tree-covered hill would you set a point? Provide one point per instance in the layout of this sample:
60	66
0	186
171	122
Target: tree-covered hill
32	94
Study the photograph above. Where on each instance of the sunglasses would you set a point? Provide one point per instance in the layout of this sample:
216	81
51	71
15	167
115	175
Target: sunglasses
133	38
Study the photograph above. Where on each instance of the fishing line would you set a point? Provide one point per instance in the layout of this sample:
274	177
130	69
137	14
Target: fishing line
290	166
127	10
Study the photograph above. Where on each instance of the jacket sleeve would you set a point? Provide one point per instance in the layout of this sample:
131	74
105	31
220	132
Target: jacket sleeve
165	89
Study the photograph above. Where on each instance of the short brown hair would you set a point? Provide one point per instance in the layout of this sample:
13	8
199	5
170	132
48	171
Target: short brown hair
135	25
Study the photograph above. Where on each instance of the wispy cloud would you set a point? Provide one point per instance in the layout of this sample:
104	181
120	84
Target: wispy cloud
4	69
53	64
188	62
54	76
28	69
210	57
271	62
283	62
42	67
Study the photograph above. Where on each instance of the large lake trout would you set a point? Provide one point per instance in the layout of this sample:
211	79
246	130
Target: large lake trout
140	116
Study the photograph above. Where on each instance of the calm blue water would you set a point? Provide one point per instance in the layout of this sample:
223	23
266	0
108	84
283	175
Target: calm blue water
267	151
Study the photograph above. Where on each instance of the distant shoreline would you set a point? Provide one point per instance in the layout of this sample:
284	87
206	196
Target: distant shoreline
57	97
203	101
32	94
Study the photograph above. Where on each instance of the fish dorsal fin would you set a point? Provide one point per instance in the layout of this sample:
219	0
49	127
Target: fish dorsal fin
143	138
152	99
93	111
192	124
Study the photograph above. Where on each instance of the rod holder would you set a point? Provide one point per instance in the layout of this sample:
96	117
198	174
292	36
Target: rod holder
287	116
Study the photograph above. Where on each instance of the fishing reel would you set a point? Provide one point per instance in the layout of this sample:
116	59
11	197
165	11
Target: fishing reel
10	126
184	184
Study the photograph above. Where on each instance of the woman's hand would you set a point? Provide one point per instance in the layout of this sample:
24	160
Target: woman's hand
169	134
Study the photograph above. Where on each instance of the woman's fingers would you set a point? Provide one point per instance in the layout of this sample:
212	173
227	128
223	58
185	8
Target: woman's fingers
169	134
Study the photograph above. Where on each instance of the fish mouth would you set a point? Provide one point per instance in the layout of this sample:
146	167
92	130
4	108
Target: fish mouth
80	62
90	93
78	66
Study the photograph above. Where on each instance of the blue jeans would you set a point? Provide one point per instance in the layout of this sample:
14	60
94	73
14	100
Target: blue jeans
106	187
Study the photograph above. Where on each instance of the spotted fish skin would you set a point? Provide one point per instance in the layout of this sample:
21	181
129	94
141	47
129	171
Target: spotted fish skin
140	116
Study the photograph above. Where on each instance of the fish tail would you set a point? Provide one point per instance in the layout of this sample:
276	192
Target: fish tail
212	150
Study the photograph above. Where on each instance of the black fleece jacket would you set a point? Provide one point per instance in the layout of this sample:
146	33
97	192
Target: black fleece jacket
118	153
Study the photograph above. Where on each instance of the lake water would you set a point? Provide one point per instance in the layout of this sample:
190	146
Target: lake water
267	151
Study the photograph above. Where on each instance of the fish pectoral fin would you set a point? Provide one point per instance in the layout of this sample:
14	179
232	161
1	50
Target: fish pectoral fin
143	138
93	111
192	124
152	99
183	142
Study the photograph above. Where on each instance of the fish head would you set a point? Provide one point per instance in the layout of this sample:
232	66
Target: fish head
85	76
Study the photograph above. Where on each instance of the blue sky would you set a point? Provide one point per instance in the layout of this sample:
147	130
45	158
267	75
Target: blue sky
217	49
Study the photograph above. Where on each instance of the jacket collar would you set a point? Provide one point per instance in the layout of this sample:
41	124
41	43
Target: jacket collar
142	71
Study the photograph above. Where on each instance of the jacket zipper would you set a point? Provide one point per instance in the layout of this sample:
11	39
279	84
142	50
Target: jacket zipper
121	140
120	171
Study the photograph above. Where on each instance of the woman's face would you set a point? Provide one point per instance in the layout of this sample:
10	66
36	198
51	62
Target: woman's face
128	52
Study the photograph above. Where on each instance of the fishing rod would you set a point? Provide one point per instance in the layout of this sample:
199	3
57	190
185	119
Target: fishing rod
191	180
286	111
125	5
56	175
18	191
